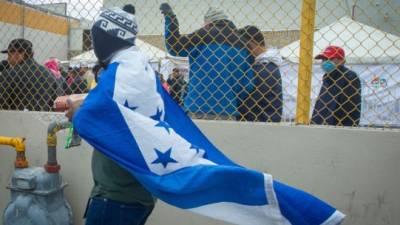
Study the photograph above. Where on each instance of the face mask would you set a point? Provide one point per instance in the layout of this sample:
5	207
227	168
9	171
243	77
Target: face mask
328	66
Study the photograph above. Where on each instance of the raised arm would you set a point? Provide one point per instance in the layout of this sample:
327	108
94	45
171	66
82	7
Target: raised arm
177	44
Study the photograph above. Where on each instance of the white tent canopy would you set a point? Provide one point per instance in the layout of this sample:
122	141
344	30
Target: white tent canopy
362	44
373	54
159	59
153	53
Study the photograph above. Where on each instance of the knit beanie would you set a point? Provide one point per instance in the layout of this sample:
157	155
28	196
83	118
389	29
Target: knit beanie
214	14
113	30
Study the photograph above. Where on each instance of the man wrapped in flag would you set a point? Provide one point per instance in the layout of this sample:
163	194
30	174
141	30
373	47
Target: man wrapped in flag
131	119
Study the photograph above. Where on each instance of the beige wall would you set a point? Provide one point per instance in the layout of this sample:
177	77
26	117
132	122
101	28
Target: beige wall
45	44
355	170
48	33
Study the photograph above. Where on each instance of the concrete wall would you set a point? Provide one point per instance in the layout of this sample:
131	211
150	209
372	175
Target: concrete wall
47	32
356	170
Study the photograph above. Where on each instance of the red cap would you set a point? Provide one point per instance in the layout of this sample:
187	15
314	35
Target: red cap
331	52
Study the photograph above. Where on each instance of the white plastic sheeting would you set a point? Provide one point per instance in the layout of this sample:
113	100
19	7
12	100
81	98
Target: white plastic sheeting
171	62
153	53
159	59
362	44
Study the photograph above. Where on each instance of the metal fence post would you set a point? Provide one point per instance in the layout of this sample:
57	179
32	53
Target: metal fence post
305	62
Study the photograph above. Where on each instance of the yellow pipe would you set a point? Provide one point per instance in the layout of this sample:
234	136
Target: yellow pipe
305	63
19	145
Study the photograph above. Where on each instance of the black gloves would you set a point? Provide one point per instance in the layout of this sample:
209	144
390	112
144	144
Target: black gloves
166	9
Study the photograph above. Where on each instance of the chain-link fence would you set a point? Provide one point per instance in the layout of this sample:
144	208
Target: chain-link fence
246	60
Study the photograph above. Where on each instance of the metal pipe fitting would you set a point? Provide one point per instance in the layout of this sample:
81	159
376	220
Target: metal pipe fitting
52	165
19	145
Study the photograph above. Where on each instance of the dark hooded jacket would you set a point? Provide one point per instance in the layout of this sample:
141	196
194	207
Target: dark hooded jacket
27	86
339	101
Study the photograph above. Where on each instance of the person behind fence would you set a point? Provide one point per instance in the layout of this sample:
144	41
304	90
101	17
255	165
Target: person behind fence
117	197
53	64
162	80
264	103
177	86
25	84
86	73
219	74
75	83
339	100
96	70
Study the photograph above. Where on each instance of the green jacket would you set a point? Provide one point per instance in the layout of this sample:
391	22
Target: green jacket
113	182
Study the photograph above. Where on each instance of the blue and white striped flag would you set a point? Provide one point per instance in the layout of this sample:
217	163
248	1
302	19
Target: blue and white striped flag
130	118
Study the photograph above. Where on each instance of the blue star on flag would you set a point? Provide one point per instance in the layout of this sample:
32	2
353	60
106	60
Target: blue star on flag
158	114
163	124
126	104
164	158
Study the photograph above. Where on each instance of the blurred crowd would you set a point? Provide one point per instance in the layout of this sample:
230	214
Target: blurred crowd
28	85
232	75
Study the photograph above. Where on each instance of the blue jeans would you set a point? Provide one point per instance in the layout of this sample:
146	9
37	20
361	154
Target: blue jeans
102	211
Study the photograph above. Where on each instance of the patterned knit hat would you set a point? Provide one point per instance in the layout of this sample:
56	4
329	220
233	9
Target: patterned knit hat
114	30
214	14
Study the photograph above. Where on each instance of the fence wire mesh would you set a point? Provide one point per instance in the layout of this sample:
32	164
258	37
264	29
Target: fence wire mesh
238	60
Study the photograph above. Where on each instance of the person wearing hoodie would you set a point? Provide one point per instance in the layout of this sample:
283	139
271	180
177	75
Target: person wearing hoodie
339	100
264	103
53	64
117	197
219	62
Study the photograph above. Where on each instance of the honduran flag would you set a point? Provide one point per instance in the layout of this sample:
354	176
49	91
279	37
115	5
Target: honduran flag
130	118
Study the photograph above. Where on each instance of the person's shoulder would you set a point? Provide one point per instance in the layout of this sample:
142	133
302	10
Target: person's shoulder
201	33
265	65
45	72
35	66
6	72
350	73
269	64
349	76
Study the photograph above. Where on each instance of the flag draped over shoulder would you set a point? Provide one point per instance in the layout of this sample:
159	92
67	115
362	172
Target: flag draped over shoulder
130	118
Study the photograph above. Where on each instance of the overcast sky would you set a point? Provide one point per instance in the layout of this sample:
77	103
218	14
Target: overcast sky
87	9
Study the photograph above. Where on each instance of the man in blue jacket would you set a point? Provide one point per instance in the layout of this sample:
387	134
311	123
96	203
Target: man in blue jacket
219	74
264	104
339	101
